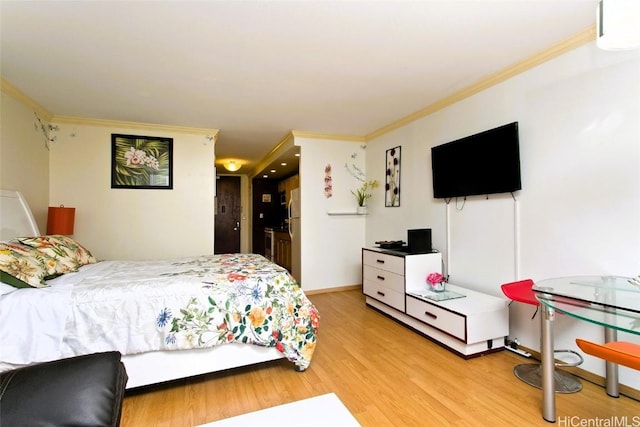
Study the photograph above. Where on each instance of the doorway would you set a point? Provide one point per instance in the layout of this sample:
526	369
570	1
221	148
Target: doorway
228	215
267	212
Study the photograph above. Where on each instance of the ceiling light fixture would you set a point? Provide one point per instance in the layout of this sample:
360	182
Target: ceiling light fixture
232	165
617	22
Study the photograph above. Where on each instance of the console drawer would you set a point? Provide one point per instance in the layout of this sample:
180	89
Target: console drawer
383	294
449	322
394	264
383	278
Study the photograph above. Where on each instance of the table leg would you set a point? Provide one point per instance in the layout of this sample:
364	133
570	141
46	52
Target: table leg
611	373
548	365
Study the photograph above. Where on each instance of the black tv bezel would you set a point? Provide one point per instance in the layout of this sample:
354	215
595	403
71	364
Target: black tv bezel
477	149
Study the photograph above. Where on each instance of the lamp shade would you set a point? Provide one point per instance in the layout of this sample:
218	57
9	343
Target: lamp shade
60	220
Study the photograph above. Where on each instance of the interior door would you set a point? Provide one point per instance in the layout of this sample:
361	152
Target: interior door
228	214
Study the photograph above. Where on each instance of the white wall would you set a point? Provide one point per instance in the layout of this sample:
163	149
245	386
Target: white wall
24	158
331	244
127	223
579	209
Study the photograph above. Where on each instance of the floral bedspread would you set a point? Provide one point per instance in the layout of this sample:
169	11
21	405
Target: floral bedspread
138	306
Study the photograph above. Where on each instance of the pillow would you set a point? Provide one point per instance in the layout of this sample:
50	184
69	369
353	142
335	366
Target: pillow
61	259
69	254
22	266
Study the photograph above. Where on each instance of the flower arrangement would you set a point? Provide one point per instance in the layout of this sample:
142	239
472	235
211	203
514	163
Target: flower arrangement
436	281
364	192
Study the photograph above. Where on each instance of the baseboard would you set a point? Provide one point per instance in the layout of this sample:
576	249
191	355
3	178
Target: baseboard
627	391
336	289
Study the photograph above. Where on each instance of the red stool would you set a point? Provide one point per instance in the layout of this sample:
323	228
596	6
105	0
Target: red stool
531	373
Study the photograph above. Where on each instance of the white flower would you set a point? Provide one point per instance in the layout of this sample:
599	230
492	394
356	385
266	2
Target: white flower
135	157
152	162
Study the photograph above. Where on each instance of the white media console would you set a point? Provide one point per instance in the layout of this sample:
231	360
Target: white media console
470	324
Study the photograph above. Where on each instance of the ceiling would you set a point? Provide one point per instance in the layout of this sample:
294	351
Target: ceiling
256	70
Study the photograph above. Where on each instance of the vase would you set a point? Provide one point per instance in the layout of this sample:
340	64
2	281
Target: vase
438	287
361	210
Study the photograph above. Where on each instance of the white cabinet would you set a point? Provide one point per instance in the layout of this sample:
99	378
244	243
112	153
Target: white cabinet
383	278
384	274
469	326
444	320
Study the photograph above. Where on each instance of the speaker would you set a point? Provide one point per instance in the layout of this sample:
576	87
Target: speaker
419	241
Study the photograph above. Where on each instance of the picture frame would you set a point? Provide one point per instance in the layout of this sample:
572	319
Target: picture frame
141	162
392	177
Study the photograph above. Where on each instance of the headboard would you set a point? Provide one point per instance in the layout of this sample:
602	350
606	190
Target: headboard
16	219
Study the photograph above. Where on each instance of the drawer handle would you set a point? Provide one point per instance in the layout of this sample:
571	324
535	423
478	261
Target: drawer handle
380	261
431	315
380	293
380	277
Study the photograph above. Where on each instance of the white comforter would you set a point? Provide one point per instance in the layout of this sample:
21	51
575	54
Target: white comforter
140	306
32	324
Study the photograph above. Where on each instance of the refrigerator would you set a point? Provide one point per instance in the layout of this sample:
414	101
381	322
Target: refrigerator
294	231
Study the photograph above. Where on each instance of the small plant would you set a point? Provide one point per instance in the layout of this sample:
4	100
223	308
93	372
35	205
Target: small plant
364	192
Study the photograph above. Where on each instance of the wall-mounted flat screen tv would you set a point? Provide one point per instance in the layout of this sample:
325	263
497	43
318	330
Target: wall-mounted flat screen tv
485	163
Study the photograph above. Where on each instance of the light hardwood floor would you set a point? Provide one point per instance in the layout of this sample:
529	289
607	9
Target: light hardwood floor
384	374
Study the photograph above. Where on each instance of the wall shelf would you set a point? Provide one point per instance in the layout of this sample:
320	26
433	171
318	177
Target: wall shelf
345	213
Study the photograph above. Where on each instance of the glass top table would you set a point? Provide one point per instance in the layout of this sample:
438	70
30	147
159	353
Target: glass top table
610	301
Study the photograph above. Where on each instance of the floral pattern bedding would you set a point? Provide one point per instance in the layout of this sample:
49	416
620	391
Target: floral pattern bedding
138	306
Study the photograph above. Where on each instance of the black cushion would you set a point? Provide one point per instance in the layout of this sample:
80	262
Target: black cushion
78	391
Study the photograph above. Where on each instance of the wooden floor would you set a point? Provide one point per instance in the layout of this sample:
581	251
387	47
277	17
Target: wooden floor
384	374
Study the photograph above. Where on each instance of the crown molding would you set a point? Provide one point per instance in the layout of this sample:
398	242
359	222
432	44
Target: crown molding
21	97
134	125
314	135
286	141
583	37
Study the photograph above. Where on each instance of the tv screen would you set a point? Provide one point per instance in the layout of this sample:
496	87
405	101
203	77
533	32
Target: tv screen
485	163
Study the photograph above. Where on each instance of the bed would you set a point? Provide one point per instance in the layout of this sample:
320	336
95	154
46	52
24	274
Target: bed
169	318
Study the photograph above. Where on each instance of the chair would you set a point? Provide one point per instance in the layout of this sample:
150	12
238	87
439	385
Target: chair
531	373
619	352
79	391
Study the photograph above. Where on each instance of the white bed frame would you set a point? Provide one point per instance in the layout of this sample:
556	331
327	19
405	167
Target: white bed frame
16	220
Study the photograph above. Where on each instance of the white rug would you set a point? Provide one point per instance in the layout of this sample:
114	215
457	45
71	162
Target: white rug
320	411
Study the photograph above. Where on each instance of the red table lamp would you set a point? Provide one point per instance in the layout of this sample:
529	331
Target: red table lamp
60	220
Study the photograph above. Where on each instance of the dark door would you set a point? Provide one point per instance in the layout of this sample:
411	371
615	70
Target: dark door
228	212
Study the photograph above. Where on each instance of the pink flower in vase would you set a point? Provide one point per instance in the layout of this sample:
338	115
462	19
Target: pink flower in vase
436	280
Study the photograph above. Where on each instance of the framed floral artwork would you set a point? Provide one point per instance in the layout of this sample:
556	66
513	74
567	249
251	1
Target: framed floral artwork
392	178
141	162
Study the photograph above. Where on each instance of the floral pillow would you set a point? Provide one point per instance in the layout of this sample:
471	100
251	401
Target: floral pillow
22	266
68	253
63	259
